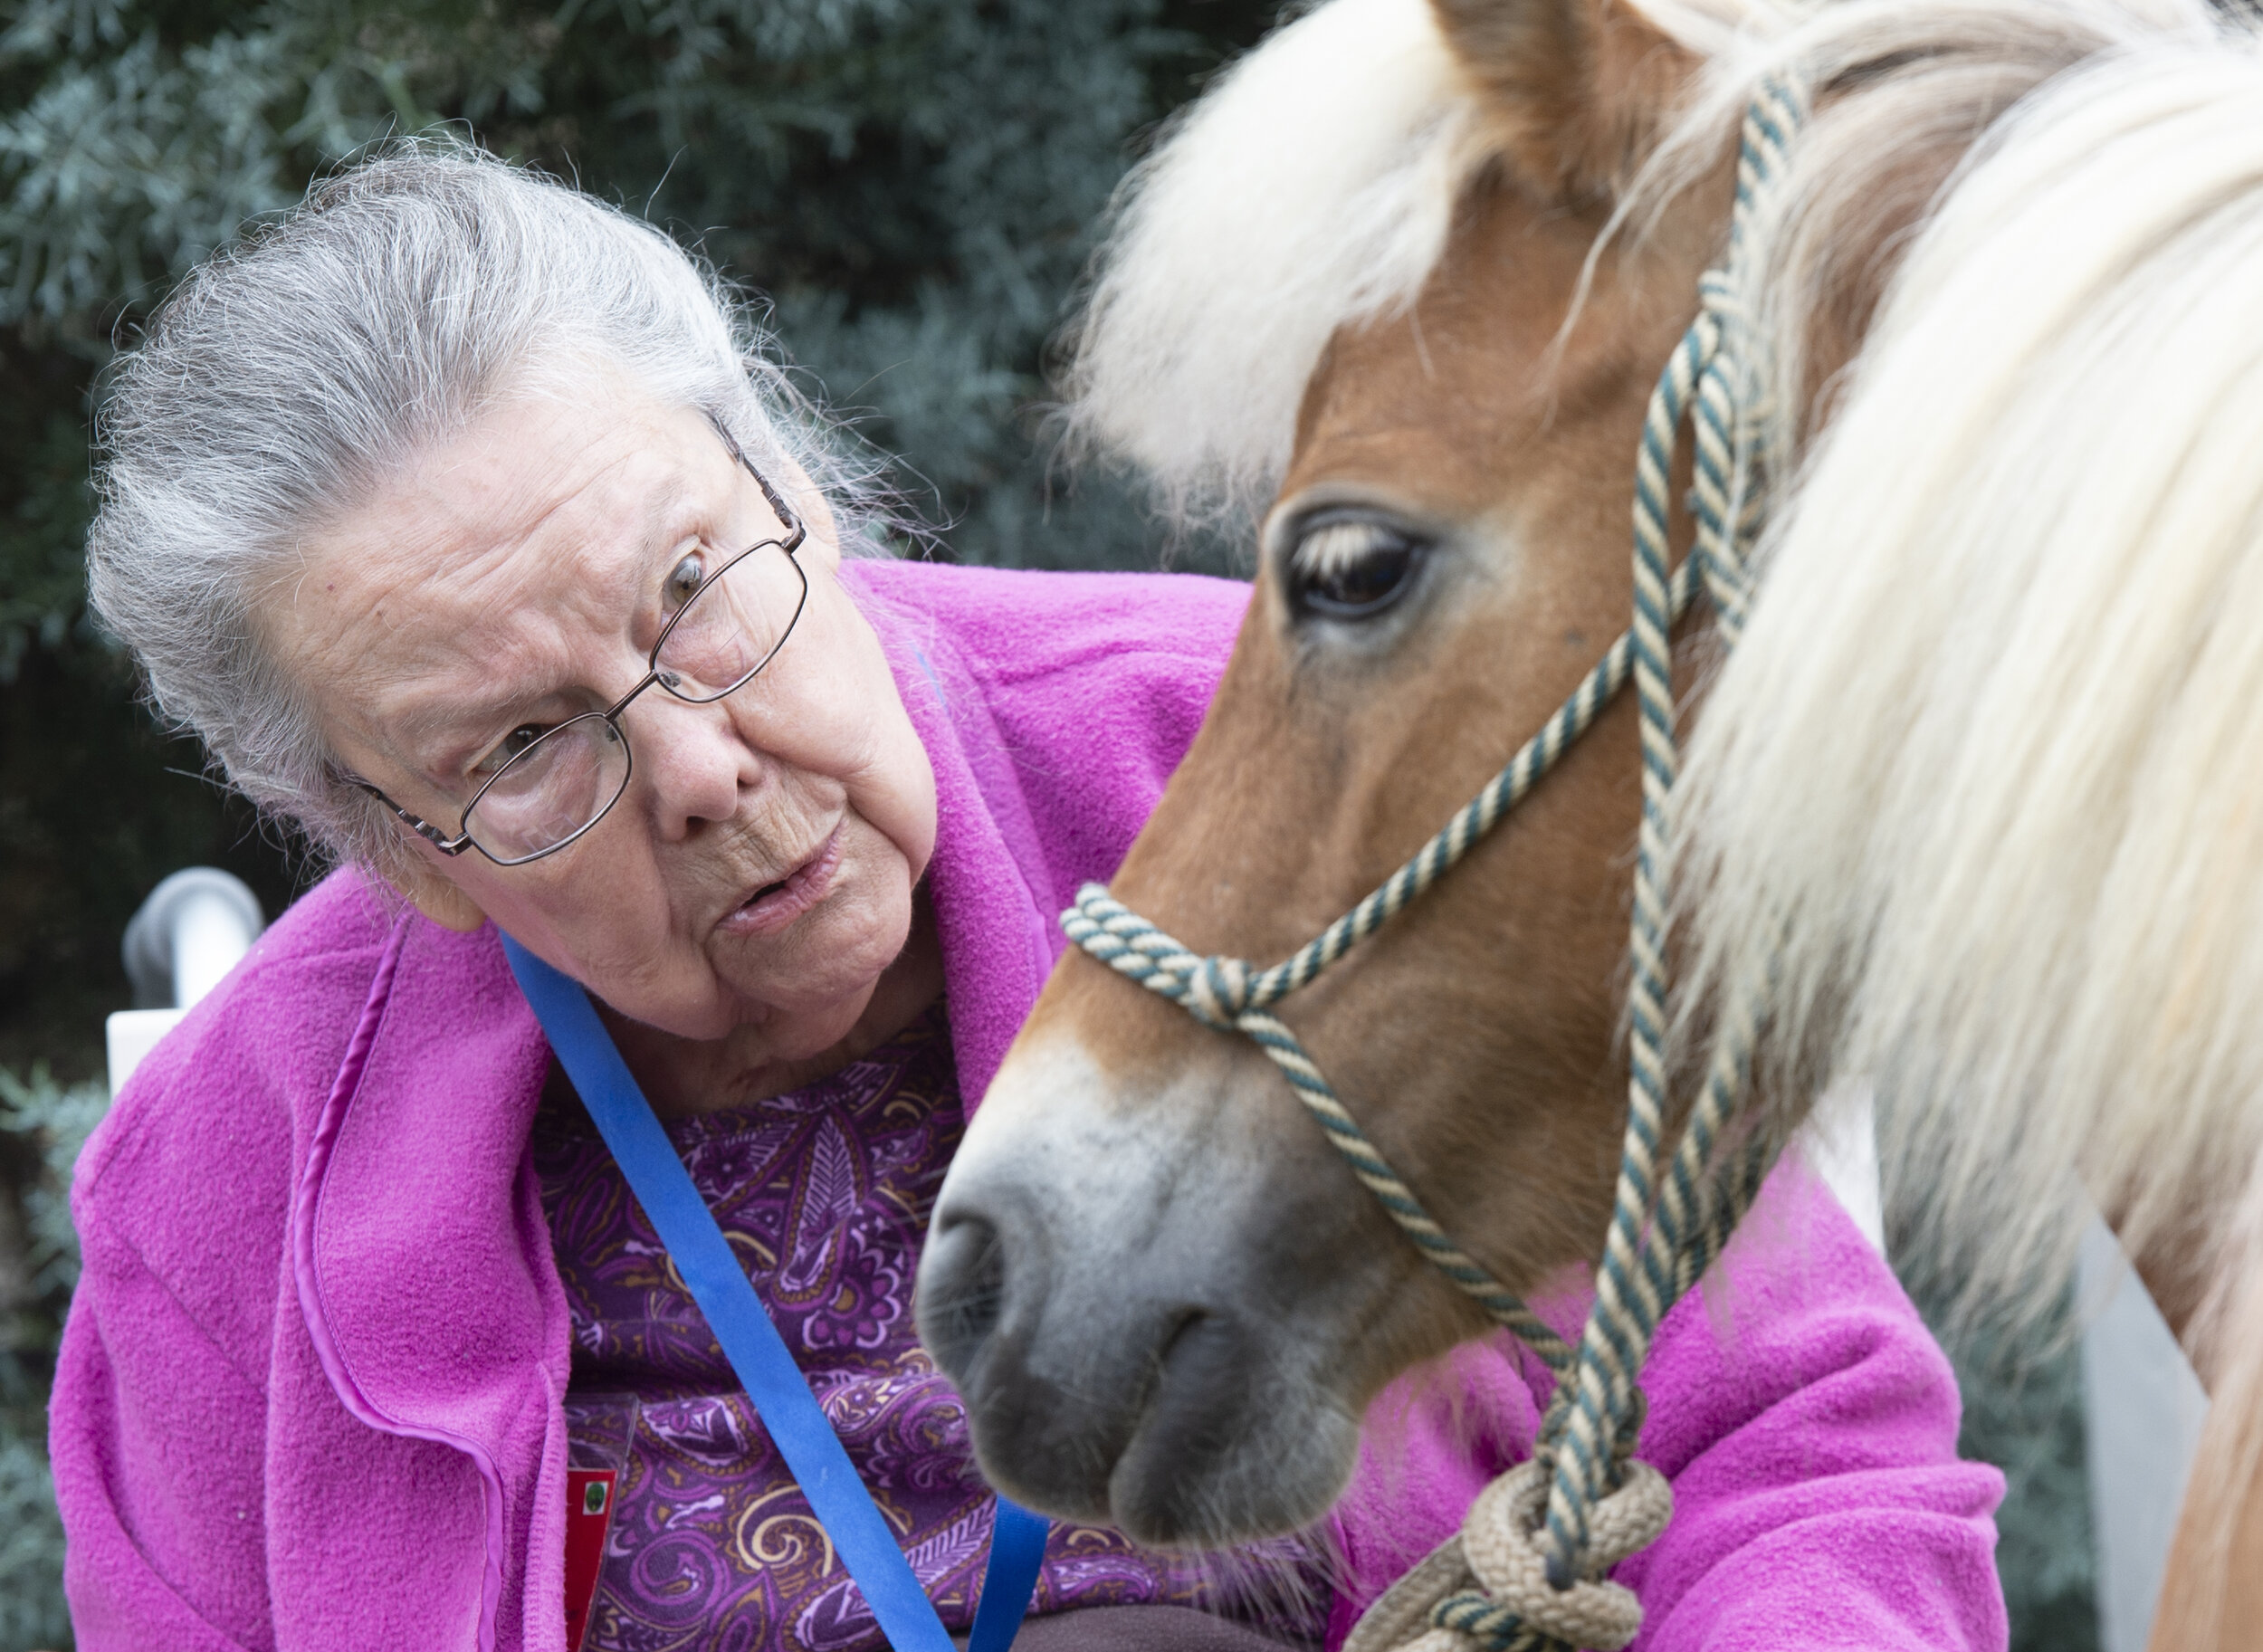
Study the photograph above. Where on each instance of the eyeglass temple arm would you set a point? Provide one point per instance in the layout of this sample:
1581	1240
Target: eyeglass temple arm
784	511
423	828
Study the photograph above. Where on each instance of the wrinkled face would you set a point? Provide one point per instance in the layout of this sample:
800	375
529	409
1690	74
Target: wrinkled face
757	873
1167	1301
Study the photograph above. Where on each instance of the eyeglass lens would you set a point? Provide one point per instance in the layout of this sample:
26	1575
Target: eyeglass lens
552	790
563	782
732	626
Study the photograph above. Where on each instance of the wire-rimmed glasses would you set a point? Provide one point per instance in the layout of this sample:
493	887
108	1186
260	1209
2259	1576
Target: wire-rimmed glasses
727	624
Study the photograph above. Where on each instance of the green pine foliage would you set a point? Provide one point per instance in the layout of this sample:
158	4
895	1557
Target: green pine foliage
42	1126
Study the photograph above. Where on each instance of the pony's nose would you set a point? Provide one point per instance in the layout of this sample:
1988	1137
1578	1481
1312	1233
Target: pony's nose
962	1291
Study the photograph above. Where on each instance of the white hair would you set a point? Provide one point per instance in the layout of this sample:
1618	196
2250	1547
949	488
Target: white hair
1981	774
286	378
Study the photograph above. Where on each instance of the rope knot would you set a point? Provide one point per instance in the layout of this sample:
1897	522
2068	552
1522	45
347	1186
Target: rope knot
1502	1541
1488	1588
1218	993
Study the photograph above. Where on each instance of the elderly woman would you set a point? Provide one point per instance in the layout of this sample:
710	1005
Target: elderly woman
460	517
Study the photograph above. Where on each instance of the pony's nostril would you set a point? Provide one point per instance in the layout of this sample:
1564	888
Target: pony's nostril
962	1292
1188	1322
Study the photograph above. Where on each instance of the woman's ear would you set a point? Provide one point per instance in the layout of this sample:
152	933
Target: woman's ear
430	889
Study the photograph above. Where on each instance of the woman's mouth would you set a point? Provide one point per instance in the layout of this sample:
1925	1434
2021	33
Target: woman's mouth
774	906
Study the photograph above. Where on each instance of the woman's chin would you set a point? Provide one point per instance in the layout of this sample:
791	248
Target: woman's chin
802	1013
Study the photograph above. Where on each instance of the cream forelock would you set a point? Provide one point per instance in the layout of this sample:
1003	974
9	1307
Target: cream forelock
1312	185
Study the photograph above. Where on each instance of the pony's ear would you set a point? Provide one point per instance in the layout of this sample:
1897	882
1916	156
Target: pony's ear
1575	91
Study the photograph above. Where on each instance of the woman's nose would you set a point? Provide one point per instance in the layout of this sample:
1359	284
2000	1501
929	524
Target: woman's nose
692	761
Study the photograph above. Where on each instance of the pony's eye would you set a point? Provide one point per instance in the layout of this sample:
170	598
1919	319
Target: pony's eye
1352	567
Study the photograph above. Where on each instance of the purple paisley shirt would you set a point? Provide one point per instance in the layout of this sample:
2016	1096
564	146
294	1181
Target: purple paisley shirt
825	1193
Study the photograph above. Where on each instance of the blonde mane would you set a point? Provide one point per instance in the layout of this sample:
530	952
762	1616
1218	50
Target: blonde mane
1313	187
1983	772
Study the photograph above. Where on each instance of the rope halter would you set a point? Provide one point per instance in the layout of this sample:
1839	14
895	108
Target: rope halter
1525	1574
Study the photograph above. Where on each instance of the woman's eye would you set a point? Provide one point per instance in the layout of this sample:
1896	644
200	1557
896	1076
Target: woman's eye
684	580
1352	569
509	747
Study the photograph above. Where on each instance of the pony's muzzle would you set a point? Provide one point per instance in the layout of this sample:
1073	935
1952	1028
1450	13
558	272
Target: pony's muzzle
1152	1289
1062	1373
1106	1404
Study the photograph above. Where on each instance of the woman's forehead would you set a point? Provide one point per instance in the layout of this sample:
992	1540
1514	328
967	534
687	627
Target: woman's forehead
546	477
492	561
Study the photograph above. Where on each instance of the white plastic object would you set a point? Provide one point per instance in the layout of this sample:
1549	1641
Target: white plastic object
2144	1408
131	1034
188	934
185	938
1840	1139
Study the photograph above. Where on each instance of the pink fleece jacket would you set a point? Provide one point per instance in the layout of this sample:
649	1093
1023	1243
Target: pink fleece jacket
309	1392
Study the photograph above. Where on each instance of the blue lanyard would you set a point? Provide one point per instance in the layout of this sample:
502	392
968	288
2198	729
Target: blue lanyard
758	1353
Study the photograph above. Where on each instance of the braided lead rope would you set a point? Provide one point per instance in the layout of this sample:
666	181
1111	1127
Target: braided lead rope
1662	1237
1475	820
1214	990
1641	1273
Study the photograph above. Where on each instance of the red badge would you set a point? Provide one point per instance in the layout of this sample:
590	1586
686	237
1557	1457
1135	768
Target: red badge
588	1517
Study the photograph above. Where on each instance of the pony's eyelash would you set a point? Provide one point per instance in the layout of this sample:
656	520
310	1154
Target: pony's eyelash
1329	547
